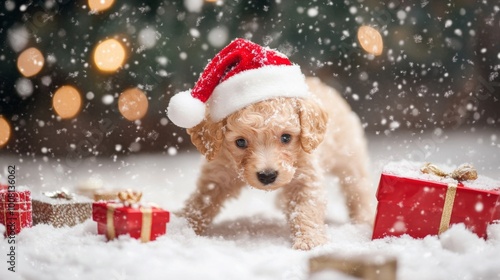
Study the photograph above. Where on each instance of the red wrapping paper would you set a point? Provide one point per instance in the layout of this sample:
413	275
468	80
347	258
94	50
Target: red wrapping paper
114	219
415	207
15	210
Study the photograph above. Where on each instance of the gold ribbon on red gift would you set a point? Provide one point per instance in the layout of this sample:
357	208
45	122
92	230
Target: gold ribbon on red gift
464	172
128	198
147	223
449	199
110	224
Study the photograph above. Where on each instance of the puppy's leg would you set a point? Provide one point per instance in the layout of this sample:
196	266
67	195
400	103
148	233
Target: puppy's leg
355	185
305	212
215	185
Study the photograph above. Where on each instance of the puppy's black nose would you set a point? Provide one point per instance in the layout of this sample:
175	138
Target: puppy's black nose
267	177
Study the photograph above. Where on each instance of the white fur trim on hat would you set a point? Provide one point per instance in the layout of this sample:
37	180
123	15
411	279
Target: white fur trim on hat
184	110
252	86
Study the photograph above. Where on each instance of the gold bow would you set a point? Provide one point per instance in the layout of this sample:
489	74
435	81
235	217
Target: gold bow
464	172
61	194
129	197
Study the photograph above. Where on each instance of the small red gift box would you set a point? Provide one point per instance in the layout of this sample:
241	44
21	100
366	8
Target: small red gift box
115	218
15	210
427	204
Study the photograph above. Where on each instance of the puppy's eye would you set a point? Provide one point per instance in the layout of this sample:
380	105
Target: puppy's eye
241	143
286	138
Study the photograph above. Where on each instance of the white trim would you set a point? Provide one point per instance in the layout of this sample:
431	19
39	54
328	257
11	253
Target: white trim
184	110
256	85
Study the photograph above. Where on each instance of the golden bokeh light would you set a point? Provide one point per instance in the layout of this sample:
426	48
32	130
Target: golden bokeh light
370	40
30	62
100	5
133	104
5	131
67	102
109	55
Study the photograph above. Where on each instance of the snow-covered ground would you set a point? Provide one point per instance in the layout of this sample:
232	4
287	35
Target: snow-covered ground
250	239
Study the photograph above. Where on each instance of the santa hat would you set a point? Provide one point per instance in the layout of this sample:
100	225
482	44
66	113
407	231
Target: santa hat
241	74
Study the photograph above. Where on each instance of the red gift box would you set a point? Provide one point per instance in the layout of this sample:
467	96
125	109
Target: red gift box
15	210
420	207
144	223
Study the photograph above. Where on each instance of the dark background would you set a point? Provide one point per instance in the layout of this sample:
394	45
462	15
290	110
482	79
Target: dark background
431	75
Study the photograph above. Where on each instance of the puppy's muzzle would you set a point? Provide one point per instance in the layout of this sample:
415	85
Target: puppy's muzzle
267	176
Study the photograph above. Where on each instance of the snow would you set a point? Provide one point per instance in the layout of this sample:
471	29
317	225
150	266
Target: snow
10	5
24	87
401	15
312	12
46	80
18	37
193	6
194	32
90	95
108	99
250	238
148	37
218	36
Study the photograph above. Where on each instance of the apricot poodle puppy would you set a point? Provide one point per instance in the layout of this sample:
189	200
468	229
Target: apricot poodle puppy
284	143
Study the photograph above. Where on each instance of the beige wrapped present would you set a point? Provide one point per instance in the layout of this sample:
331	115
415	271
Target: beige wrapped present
368	267
106	195
89	187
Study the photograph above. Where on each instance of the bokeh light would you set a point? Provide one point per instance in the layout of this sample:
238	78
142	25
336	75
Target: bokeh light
100	5
109	55
30	62
67	102
5	131
370	40
133	104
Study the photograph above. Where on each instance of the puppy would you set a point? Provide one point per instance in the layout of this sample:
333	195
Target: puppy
284	143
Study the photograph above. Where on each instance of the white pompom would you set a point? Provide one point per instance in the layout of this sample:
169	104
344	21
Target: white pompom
185	111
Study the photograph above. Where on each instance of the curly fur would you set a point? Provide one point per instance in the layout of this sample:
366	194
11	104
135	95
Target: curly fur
322	140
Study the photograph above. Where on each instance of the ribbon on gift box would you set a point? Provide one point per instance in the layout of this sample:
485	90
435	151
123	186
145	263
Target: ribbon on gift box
128	198
464	172
60	194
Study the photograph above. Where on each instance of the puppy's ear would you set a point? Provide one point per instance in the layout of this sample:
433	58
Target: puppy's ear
207	137
313	120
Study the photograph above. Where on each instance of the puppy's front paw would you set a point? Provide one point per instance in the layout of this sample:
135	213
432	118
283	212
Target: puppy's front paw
307	242
195	221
